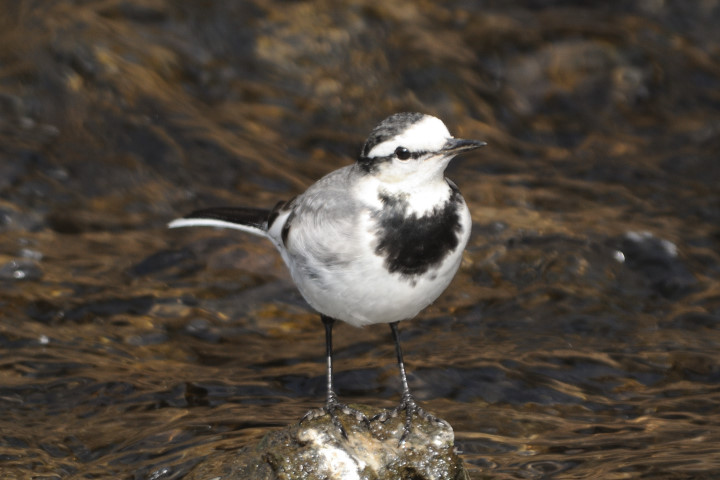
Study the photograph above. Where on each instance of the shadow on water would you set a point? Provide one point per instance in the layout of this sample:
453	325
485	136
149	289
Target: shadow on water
580	339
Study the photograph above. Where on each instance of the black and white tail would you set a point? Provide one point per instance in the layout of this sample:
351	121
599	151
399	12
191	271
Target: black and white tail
251	220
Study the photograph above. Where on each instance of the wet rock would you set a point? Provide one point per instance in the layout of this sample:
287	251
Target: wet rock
316	449
656	259
21	269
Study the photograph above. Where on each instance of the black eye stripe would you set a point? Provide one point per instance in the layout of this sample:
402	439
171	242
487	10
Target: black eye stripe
370	164
404	154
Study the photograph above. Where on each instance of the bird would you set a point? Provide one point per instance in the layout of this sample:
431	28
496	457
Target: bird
373	242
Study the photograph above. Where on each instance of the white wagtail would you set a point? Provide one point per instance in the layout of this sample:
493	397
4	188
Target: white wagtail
372	242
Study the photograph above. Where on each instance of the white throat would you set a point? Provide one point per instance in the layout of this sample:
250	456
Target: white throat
421	197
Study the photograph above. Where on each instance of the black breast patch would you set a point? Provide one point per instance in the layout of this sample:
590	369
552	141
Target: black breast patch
412	245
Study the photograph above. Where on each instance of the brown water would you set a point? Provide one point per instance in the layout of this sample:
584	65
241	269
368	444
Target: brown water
580	339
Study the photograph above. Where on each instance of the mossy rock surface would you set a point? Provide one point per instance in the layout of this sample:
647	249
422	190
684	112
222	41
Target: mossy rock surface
316	450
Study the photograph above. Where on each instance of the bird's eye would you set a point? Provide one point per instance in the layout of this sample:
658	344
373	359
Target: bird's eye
402	153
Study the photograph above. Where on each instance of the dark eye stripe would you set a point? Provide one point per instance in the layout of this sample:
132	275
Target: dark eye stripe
404	154
369	165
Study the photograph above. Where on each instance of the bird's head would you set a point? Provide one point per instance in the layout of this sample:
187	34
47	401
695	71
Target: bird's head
411	148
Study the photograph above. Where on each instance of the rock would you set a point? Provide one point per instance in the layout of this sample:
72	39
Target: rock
316	449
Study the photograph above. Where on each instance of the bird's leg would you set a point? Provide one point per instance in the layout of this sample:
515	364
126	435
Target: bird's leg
331	399
332	405
407	402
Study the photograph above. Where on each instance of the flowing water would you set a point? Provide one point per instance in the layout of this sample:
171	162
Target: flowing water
580	339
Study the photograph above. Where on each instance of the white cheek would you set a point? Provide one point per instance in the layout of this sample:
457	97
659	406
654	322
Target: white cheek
397	170
428	135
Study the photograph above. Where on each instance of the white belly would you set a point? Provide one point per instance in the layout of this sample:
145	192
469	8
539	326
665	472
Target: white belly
361	290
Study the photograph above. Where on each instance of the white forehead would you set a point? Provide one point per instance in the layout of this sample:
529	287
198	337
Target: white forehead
427	135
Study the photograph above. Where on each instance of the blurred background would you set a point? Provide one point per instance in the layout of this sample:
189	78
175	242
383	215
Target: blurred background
579	340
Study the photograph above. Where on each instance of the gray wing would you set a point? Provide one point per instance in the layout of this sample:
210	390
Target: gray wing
322	222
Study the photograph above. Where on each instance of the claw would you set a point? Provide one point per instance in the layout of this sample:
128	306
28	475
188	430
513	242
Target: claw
331	408
411	408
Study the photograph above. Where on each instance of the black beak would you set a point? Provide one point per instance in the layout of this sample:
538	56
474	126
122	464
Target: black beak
458	145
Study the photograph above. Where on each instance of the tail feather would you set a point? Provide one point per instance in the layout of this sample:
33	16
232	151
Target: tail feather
252	220
251	217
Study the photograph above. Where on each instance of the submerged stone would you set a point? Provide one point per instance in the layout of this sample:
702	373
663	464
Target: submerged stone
316	449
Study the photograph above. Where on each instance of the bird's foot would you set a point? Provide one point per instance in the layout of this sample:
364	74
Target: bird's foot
331	408
411	409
